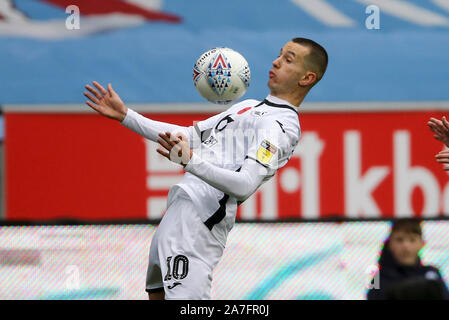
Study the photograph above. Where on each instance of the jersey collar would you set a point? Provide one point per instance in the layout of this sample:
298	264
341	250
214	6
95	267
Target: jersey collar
273	101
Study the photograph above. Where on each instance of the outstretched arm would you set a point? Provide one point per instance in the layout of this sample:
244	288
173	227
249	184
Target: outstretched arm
440	128
239	184
109	104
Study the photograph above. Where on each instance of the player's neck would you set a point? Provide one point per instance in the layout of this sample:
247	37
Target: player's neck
294	99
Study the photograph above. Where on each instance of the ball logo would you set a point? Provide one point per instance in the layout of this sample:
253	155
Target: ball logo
245	75
196	73
219	74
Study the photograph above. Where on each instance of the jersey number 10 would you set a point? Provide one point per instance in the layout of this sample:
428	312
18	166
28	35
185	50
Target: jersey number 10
176	274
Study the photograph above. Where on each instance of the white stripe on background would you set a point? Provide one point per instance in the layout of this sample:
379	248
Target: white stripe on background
156	207
163	182
324	12
444	4
409	12
8	10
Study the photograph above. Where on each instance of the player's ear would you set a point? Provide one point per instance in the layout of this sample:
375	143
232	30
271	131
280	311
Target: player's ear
308	79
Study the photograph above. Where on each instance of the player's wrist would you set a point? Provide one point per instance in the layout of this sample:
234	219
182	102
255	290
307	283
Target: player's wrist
194	158
122	114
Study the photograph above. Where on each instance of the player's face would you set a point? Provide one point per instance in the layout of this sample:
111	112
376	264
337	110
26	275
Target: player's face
405	247
288	69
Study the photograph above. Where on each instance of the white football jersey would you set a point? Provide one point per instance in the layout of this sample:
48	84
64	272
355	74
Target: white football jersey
264	131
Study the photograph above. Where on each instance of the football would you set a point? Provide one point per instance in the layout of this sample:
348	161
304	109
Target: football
221	75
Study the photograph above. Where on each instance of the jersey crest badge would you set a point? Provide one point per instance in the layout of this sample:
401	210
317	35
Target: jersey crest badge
266	151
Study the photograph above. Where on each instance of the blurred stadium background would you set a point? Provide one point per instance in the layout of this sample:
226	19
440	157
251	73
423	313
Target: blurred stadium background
81	196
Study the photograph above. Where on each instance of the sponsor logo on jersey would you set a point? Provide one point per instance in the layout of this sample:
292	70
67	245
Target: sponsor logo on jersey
266	151
210	141
258	113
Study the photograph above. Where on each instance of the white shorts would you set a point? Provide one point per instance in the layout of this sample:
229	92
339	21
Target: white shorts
183	252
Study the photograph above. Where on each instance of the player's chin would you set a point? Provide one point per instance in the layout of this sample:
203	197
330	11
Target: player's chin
271	84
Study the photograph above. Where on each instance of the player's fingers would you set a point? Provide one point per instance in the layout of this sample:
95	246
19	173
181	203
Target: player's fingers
164	144
92	98
111	91
445	123
436	123
432	128
443	160
163	153
442	154
436	129
93	106
94	92
167	138
100	87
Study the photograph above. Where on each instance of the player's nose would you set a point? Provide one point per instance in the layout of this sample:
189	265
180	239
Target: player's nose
276	63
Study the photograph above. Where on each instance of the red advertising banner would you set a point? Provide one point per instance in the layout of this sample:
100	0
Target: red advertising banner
347	164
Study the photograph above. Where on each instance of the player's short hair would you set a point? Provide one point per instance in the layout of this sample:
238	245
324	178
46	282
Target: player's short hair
316	60
407	225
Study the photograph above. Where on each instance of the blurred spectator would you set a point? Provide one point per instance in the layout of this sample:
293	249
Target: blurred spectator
402	276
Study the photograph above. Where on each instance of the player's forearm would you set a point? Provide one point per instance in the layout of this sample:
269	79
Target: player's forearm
148	128
237	184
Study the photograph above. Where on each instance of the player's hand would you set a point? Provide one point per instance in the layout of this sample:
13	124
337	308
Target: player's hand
106	103
443	157
441	129
175	147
